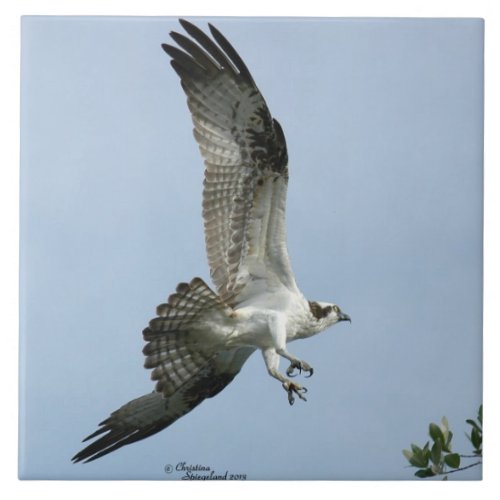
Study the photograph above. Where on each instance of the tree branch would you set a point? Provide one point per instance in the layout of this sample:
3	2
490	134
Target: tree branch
462	468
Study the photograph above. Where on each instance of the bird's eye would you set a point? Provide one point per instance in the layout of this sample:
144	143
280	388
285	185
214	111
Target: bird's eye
336	309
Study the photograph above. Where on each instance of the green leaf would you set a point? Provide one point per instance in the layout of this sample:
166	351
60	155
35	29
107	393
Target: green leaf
436	452
419	460
445	427
480	415
476	438
436	433
420	457
424	473
471	422
452	460
447	445
426	453
408	454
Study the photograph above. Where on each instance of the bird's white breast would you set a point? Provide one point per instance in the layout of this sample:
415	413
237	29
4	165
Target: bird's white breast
254	319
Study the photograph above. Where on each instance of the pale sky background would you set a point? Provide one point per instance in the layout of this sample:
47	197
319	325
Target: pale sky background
383	120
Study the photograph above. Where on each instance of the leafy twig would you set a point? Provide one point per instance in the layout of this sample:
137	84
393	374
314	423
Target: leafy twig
438	459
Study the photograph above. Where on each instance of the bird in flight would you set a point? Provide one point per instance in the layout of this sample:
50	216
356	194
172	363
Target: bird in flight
201	337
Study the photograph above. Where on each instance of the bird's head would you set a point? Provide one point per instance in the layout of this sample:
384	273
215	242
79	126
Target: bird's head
327	314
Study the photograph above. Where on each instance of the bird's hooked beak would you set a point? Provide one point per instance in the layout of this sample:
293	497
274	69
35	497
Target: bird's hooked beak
344	317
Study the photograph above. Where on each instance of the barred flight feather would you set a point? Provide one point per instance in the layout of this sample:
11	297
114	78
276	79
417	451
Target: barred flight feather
241	144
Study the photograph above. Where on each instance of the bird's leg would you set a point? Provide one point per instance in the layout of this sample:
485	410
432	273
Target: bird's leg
272	359
277	330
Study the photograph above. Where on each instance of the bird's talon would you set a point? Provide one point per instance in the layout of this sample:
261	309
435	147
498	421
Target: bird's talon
296	389
299	366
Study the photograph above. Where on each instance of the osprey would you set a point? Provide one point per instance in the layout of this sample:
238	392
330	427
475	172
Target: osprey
201	338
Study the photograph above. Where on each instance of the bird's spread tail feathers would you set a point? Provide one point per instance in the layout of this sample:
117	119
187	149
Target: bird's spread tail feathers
178	344
187	370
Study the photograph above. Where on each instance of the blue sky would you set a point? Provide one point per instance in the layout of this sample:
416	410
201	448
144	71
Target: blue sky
383	120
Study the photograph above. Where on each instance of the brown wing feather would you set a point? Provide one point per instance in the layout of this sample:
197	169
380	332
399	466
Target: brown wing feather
151	413
243	146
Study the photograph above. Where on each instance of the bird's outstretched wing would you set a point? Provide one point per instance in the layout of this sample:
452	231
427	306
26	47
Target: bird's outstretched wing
189	366
246	161
151	413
